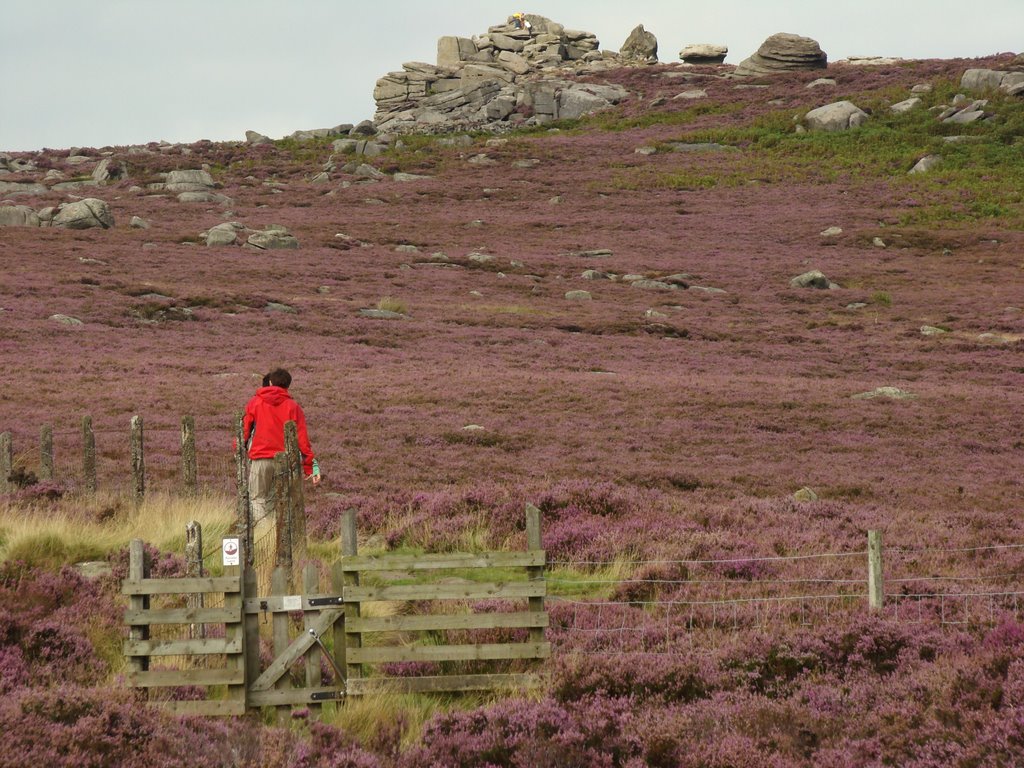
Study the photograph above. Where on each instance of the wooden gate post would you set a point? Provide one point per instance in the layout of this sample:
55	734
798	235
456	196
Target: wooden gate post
534	573
188	456
280	582
137	458
243	511
138	569
311	587
6	462
46	453
88	455
876	593
296	496
236	632
344	640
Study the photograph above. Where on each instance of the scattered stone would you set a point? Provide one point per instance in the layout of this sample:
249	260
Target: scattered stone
641	45
17	188
805	494
893	393
402	177
223	234
692	95
840	116
106	171
18	216
480	258
783	53
926	163
406	249
822	82
66	320
596	253
704	53
653	314
84	214
905	106
652	285
931	330
813	279
272	239
921	88
274	306
138	223
382	314
578	295
706	289
367	171
856	305
204	197
832	232
593	274
645	151
878	242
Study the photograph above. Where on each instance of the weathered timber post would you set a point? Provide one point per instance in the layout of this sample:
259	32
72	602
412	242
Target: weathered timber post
280	582
876	593
138	569
88	455
311	587
296	494
534	573
188	456
46	452
349	548
282	516
243	511
6	462
235	633
251	624
194	569
137	457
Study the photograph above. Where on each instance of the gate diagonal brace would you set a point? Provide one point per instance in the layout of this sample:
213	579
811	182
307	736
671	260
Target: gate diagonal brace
295	650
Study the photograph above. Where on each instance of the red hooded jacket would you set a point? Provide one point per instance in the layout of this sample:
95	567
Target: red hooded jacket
263	425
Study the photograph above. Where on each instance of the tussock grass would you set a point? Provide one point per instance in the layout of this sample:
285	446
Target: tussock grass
79	529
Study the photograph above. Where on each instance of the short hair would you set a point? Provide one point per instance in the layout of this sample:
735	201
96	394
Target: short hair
279	377
266	380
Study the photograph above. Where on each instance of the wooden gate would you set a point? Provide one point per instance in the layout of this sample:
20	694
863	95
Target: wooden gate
216	640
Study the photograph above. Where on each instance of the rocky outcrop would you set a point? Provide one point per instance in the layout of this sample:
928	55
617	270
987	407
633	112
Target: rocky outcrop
508	76
1007	81
84	214
783	53
641	45
704	53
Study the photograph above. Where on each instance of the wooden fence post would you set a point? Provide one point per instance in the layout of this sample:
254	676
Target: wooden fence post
243	511
194	569
138	569
876	593
349	548
188	455
88	455
251	625
6	462
46	453
296	495
282	516
137	458
534	573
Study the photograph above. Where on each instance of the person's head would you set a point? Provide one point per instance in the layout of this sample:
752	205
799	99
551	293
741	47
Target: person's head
266	380
279	377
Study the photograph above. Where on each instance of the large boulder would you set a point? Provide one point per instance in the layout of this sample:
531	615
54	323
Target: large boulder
640	45
839	116
451	51
84	214
189	181
783	52
272	239
18	216
17	188
704	53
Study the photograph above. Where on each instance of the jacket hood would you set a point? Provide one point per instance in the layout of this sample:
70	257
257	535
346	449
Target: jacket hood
273	395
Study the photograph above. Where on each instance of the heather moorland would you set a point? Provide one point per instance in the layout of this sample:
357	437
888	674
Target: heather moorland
708	443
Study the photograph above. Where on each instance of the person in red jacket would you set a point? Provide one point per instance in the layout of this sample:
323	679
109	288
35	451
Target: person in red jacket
263	432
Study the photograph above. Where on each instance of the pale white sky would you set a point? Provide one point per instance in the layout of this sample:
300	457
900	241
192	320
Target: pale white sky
117	72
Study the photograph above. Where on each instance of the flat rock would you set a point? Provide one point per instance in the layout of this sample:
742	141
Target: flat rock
272	239
893	393
813	279
704	53
578	295
926	163
66	320
188	181
18	216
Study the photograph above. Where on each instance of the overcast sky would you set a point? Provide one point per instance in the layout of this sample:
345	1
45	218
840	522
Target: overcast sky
118	72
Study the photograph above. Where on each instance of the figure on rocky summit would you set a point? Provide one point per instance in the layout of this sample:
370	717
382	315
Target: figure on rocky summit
519	21
266	413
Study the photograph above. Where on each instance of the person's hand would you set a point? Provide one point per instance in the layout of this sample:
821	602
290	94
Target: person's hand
315	479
